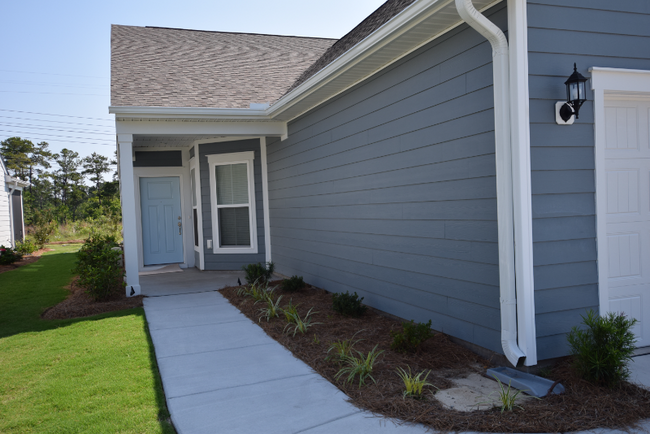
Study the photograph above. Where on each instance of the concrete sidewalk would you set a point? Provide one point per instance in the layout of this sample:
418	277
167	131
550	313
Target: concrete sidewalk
222	374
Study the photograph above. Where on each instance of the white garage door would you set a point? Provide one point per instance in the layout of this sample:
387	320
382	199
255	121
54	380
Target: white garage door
627	196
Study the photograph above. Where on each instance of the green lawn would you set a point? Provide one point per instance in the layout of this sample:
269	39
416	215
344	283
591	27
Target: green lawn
95	375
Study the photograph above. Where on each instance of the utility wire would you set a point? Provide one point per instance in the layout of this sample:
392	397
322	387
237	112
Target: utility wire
79	130
53	93
35	138
56	135
34	83
51	114
49	73
57	122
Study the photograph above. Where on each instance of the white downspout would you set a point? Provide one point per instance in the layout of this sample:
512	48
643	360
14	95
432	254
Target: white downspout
11	214
503	152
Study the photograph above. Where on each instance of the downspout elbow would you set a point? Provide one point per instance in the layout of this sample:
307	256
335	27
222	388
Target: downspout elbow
503	156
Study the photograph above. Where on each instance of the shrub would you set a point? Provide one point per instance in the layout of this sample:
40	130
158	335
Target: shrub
98	267
44	227
25	248
411	336
293	284
348	304
260	273
9	255
603	348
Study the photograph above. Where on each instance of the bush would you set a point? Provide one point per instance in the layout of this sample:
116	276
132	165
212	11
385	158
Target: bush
411	336
44	227
603	349
99	268
259	272
26	247
292	284
9	255
348	304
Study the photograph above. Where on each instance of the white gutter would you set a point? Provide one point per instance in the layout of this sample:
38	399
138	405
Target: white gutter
191	112
502	131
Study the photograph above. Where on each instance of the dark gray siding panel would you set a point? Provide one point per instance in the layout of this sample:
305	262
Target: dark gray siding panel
591	33
158	159
221	261
388	190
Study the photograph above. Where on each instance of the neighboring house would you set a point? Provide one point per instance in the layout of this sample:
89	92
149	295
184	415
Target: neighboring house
413	161
12	226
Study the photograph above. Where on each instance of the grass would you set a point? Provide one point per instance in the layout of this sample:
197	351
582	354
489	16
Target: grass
95	374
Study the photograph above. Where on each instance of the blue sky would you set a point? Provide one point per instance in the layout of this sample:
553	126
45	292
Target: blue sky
55	55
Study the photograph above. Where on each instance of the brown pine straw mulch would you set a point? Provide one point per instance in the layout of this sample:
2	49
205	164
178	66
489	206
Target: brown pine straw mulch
79	304
582	407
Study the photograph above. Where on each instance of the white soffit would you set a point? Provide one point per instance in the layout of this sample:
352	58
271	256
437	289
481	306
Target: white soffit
420	23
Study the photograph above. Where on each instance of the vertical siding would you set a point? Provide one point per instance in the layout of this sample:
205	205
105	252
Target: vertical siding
591	33
5	223
389	190
230	261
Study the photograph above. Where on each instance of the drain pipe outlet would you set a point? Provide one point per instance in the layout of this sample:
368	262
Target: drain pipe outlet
503	152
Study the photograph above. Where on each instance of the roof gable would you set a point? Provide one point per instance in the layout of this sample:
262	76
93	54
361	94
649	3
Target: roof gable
162	67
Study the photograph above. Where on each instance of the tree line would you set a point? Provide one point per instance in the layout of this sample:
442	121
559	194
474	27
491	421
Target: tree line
57	189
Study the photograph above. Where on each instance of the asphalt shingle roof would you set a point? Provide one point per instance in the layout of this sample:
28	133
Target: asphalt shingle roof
162	67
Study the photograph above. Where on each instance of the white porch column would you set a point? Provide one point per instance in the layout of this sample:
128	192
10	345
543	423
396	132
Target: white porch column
265	200
129	219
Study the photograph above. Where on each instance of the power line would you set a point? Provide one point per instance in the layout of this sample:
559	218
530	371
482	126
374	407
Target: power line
55	135
51	114
49	73
35	138
52	93
34	83
56	122
79	130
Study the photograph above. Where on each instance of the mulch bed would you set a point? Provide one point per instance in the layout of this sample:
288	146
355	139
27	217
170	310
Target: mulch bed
582	407
79	304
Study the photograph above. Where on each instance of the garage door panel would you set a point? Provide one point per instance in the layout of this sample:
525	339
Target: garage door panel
627	200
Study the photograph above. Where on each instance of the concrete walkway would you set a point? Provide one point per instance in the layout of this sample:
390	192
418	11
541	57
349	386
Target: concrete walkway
222	374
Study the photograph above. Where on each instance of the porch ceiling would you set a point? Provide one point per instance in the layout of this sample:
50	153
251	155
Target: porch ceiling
169	140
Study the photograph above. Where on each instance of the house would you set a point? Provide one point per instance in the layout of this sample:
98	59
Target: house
12	225
418	161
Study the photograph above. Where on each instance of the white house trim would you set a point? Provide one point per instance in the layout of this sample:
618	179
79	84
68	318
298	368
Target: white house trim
521	178
247	158
609	82
265	200
129	213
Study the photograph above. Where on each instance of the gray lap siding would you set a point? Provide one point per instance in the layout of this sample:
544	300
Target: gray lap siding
230	261
591	33
388	190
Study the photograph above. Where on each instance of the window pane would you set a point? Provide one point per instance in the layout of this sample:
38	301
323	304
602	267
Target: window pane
196	227
193	184
234	229
232	184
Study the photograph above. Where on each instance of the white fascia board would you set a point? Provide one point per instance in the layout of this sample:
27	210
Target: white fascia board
619	80
188	113
406	20
195	127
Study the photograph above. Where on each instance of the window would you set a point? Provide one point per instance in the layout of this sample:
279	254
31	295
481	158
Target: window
232	195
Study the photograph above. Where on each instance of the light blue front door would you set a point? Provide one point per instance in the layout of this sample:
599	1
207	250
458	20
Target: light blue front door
162	231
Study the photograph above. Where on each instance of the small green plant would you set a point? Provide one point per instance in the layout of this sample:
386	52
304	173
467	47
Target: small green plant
348	304
25	248
316	339
290	311
361	366
9	255
99	268
413	384
298	324
411	336
341	350
507	398
258	272
603	348
258	291
293	284
272	309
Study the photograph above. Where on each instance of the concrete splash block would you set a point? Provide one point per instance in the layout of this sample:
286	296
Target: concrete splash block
528	383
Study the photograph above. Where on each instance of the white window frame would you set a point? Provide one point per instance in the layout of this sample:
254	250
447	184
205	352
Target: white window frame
228	159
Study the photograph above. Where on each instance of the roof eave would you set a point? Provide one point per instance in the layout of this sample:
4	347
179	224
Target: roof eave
417	25
207	113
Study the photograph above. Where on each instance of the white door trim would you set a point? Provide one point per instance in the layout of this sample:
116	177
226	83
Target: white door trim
607	83
183	174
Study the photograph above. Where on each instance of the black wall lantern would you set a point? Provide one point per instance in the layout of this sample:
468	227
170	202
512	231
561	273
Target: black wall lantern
576	95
